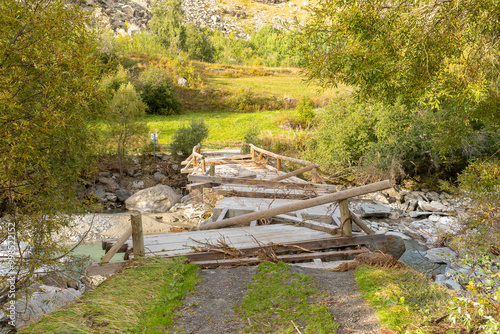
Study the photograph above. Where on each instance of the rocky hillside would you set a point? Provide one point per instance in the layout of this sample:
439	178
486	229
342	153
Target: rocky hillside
127	17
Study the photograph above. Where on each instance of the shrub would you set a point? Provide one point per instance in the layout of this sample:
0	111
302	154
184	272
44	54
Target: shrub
305	110
198	46
158	92
187	137
251	137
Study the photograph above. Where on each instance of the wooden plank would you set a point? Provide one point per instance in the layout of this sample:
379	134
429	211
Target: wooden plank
223	213
282	258
361	224
345	218
318	226
137	235
278	156
260	194
339	196
116	246
263	183
295	172
194	186
313	245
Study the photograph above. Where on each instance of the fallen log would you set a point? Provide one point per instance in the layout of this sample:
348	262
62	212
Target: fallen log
341	195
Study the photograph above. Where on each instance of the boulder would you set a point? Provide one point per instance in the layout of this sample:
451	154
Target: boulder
47	299
433	206
440	255
380	197
374	210
394	245
109	183
122	194
159	177
183	82
155	199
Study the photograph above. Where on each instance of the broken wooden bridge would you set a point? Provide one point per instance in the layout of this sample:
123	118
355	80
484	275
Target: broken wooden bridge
267	214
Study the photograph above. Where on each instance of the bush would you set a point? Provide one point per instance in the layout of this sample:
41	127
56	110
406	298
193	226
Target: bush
158	92
251	137
305	111
197	45
187	137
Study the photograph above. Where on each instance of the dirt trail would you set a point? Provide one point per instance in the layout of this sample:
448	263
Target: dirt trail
208	310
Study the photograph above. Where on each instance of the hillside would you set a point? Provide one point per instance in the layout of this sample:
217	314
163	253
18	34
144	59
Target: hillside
127	17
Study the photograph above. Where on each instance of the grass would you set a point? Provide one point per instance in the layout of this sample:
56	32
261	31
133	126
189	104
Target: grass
278	300
140	299
290	85
226	129
404	299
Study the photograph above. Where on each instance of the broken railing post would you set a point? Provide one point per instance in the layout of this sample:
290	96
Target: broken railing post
345	218
203	166
314	175
278	165
116	246
252	151
137	235
339	196
212	170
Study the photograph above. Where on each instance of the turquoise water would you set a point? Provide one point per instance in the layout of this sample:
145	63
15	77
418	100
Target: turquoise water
95	252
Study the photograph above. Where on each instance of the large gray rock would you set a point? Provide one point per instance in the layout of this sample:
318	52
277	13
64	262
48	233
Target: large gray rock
122	194
47	299
440	255
433	206
375	210
394	245
155	199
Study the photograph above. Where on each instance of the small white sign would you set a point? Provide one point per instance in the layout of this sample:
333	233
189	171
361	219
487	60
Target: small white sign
154	138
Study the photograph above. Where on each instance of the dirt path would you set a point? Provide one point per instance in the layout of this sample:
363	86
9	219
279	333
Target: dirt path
208	310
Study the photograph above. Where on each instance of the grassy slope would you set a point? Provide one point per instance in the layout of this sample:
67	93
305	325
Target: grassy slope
404	299
140	299
226	129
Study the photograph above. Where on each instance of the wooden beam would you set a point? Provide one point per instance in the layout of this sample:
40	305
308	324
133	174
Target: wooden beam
361	224
282	258
295	172
278	165
222	214
314	225
262	183
278	156
116	246
137	235
258	194
194	186
345	218
339	196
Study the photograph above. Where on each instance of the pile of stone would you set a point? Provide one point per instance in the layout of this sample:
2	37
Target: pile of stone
415	223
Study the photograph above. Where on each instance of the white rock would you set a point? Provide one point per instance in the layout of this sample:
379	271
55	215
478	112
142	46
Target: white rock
432	206
155	199
440	255
138	184
374	210
128	10
46	300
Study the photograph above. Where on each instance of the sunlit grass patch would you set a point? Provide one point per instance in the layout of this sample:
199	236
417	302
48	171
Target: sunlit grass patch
404	299
280	301
140	299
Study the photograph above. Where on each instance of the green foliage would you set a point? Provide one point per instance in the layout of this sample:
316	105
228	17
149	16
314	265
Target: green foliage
49	72
267	47
187	137
277	299
126	112
148	292
305	111
251	137
158	92
404	299
166	23
198	45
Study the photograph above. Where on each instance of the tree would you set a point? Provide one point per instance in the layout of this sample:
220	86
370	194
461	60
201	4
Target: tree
158	92
439	58
126	112
166	23
49	69
198	45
